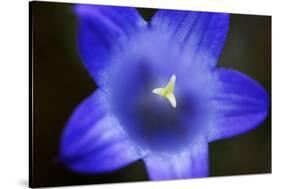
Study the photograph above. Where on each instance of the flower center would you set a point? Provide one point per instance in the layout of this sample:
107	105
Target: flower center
168	91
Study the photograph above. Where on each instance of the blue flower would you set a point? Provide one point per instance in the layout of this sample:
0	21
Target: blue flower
160	96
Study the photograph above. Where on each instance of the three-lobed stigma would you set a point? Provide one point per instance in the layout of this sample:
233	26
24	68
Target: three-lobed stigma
168	91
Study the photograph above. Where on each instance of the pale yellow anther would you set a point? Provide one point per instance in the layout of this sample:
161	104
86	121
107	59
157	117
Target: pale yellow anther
168	91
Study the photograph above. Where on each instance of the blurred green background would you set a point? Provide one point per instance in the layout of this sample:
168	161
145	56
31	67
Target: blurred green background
60	83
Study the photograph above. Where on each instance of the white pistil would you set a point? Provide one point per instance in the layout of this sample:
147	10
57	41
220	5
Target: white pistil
168	91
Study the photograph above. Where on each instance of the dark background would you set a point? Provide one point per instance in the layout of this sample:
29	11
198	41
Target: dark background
60	83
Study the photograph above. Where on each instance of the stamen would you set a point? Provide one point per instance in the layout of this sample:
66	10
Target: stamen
168	91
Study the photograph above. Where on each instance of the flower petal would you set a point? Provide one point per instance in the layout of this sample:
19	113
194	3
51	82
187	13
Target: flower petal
240	104
201	34
189	163
102	31
93	140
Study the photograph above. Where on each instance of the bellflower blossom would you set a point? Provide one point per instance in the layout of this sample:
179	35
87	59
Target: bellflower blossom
160	96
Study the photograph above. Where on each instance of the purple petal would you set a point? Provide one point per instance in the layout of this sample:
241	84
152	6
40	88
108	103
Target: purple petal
201	34
240	105
93	140
189	163
104	30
